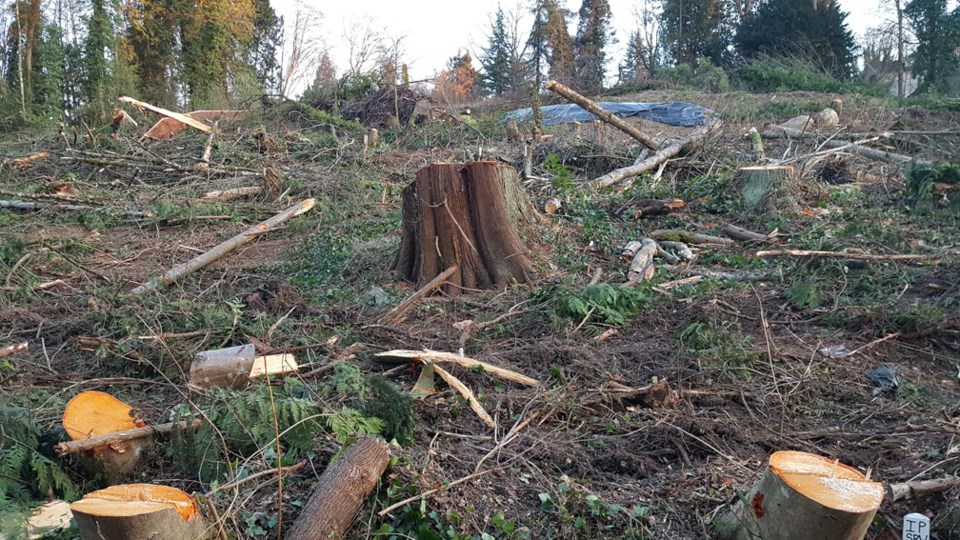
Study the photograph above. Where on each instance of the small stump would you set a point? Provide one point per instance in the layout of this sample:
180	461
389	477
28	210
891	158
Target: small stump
470	216
137	511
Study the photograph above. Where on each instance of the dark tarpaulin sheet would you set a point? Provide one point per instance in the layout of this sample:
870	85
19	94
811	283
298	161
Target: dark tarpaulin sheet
675	113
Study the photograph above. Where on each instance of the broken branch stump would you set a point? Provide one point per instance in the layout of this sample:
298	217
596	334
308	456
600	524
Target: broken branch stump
138	511
802	496
342	488
598	111
469	216
222	249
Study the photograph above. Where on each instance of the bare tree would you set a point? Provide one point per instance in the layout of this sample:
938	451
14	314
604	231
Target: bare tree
647	16
364	44
302	48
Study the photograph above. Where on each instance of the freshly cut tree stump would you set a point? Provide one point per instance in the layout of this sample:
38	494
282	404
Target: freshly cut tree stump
137	512
469	216
803	496
345	484
93	414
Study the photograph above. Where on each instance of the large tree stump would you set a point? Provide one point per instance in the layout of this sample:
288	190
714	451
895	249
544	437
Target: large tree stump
138	511
343	487
469	216
803	496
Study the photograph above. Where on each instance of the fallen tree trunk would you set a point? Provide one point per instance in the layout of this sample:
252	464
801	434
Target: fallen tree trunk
739	233
136	512
340	493
802	496
224	248
196	124
606	116
656	159
235	367
23	205
469	216
231	194
728	276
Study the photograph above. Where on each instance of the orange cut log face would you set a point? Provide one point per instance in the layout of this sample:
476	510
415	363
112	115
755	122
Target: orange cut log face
136	499
92	413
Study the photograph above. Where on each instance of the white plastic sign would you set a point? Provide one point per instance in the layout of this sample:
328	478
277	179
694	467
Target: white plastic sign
916	527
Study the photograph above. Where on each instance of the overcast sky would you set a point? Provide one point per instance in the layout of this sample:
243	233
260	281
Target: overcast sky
436	29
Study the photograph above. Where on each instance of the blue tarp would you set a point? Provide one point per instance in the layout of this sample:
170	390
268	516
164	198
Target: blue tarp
675	113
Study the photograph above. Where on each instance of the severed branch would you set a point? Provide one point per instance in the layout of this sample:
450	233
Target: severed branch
23	205
844	255
82	445
397	314
608	117
204	162
901	491
467	394
739	233
728	276
13	349
463	361
222	249
231	194
780	132
656	159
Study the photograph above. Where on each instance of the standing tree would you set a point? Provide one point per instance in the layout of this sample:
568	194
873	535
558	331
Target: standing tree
151	42
557	38
816	31
496	58
593	34
267	40
98	48
694	29
938	37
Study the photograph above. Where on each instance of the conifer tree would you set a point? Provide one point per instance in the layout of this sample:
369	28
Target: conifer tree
97	46
938	38
152	28
558	40
816	31
496	60
593	35
267	38
694	29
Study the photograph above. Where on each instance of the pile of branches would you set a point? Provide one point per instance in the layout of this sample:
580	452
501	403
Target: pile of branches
380	108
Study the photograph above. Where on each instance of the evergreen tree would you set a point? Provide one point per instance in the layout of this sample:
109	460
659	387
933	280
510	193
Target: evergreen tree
48	68
633	67
938	38
152	35
816	31
593	34
557	38
497	58
693	29
97	46
537	42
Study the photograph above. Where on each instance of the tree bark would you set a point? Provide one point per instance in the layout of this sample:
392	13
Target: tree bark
235	367
469	216
345	484
803	496
768	188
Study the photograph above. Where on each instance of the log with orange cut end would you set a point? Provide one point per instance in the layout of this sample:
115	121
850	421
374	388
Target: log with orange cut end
136	511
803	496
92	414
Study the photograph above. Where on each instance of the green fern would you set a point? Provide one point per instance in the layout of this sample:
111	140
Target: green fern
24	471
603	303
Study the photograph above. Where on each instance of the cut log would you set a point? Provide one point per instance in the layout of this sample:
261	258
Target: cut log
739	233
768	188
907	490
24	162
14	349
224	248
641	268
93	414
630	250
136	512
553	205
340	493
802	496
397	314
469	216
231	194
656	159
235	367
596	110
655	207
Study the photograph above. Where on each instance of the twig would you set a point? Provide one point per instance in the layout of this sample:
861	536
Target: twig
396	314
430	492
465	391
219	522
254	476
82	445
845	255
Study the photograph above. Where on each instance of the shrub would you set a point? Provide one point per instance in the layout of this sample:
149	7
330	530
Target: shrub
786	74
702	75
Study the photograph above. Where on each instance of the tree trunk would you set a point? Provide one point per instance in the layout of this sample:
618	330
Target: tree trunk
138	511
467	216
803	496
345	484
